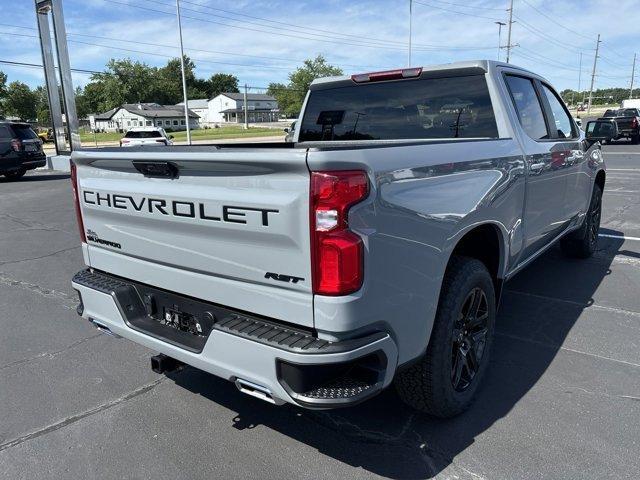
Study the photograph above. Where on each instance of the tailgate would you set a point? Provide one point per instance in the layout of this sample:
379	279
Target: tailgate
625	123
231	228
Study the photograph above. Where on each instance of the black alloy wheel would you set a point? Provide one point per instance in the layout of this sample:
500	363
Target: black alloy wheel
469	339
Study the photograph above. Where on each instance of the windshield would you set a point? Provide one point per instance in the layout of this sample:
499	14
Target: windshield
628	112
143	134
455	107
610	113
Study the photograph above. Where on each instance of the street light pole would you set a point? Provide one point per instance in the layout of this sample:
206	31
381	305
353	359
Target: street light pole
500	25
410	29
184	80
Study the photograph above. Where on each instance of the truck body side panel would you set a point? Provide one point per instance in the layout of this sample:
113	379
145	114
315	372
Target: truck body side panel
424	199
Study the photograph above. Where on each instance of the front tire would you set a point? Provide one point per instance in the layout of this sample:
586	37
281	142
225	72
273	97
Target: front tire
583	242
15	175
445	381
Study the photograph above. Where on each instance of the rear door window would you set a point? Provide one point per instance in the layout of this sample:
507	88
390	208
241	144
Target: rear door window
454	107
24	132
563	123
527	106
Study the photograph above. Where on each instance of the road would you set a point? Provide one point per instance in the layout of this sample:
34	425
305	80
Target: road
561	400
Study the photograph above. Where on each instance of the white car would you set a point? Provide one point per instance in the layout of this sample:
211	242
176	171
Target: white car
146	136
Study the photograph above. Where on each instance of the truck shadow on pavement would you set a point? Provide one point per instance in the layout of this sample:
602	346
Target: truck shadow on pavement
539	308
35	178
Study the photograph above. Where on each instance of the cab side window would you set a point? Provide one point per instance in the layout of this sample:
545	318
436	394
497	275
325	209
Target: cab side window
528	106
563	124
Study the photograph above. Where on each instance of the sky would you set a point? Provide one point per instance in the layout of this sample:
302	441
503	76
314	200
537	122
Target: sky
261	41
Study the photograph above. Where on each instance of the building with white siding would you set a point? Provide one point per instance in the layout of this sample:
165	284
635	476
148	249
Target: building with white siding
200	107
229	108
121	119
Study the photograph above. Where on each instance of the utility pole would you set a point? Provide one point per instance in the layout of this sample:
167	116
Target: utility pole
509	34
633	72
184	80
579	78
246	109
593	74
410	29
500	25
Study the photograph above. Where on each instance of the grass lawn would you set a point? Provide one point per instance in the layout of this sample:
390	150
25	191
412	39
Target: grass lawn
201	134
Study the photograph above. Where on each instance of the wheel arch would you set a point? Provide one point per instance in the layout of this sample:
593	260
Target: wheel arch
485	242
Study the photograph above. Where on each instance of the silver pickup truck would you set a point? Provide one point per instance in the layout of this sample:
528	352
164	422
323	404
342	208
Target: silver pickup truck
371	250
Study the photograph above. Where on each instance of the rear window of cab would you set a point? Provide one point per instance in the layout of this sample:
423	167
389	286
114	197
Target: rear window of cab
430	108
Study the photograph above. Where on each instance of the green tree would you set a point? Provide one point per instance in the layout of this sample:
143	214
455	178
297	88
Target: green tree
291	96
124	81
169	81
20	101
43	113
3	91
222	83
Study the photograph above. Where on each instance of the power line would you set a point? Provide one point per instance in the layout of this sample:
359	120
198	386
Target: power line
539	33
477	7
156	54
306	29
551	19
35	65
455	11
366	44
216	52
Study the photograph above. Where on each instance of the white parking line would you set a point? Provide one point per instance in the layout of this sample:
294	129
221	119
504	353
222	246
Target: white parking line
623	237
621	153
623	169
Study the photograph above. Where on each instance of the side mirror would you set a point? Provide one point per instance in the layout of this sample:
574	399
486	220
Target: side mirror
170	137
286	130
599	130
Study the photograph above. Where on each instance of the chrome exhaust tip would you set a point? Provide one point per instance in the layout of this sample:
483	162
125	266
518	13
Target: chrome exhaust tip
255	390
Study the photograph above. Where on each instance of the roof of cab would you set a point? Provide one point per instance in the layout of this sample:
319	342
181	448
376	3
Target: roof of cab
466	66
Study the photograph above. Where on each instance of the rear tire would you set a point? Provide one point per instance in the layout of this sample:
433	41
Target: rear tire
635	139
583	242
444	382
15	175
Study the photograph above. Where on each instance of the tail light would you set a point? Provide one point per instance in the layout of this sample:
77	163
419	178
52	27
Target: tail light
634	122
16	145
123	140
387	75
336	252
76	200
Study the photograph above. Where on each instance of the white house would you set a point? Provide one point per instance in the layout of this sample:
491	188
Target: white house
200	107
229	108
143	115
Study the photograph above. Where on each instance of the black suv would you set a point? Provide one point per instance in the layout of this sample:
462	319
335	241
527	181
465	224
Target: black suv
20	150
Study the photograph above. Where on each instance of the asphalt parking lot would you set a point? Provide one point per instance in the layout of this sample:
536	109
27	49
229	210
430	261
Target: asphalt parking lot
562	398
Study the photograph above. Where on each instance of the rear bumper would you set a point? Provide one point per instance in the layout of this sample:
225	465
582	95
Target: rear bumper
19	162
290	364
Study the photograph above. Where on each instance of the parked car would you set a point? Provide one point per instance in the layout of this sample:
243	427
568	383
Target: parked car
374	248
627	121
290	132
20	150
146	137
45	134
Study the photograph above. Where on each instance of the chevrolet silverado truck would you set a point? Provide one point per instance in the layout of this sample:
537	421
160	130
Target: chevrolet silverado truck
627	121
372	249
